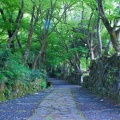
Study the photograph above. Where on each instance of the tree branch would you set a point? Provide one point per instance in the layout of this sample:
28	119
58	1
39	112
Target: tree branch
18	20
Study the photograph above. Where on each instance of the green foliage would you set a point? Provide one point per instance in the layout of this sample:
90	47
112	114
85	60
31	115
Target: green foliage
43	84
18	77
68	42
111	79
2	78
2	96
8	93
37	74
13	70
12	67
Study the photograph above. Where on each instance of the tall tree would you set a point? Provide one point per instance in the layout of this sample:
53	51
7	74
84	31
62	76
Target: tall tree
114	30
34	19
9	19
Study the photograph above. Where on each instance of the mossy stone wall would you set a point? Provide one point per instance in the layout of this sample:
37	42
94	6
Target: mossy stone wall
19	89
104	77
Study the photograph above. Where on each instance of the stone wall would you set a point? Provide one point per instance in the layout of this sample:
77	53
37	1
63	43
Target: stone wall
19	89
104	77
74	78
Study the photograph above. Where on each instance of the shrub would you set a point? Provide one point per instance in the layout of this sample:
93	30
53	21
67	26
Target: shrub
13	72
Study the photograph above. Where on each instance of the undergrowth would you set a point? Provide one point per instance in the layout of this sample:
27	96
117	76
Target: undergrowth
15	77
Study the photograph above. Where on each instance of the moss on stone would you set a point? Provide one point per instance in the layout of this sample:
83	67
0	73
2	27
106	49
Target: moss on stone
2	96
8	93
104	77
19	89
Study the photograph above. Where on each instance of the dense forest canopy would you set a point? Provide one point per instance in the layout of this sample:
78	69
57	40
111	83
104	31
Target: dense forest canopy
57	35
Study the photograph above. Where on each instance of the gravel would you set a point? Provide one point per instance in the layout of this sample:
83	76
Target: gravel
95	107
22	108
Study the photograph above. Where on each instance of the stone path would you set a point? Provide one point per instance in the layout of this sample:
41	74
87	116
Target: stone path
60	102
59	105
71	102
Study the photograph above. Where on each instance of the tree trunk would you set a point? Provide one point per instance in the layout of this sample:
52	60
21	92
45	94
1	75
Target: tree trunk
41	51
114	34
33	23
18	21
99	37
91	47
12	33
18	41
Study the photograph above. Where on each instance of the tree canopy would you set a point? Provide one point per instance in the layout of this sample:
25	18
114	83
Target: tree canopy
59	34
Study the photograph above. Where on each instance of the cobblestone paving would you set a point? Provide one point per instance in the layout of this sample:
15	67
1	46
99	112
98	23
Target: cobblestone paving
71	102
60	102
59	105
